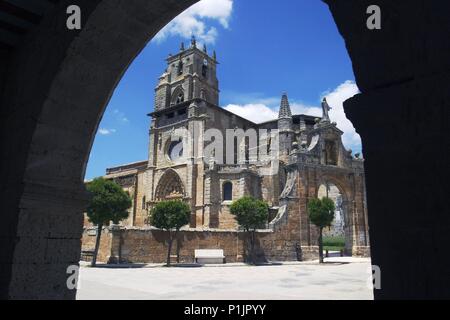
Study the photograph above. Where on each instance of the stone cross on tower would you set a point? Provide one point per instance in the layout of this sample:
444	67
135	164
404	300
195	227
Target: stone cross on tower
325	109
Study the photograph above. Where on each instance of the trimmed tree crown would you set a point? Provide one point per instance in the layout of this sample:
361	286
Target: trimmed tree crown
321	212
250	213
109	202
169	215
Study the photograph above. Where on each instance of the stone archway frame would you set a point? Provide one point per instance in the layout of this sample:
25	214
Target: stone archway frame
347	200
176	92
168	182
52	110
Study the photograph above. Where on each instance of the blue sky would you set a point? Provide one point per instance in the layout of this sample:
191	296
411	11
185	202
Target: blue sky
264	48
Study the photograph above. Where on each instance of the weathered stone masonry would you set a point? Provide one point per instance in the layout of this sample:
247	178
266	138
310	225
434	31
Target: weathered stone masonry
402	71
311	154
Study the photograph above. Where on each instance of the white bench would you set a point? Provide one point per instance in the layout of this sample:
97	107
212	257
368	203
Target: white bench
204	256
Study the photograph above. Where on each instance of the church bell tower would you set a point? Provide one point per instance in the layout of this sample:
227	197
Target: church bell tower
190	74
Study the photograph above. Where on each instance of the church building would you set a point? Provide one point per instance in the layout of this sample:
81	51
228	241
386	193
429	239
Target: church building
294	158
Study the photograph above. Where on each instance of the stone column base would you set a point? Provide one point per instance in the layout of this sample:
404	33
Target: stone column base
361	251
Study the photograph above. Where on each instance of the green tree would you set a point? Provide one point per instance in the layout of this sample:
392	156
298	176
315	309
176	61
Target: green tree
170	216
250	214
321	213
109	202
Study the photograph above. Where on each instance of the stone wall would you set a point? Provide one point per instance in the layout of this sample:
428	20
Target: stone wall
140	208
89	237
226	219
149	245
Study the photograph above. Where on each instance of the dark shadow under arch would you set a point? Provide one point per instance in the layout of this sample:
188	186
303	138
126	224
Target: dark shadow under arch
59	83
56	84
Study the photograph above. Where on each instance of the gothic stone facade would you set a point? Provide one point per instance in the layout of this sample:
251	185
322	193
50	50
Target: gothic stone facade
311	155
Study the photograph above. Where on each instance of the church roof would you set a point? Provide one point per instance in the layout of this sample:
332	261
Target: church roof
285	109
127	167
309	119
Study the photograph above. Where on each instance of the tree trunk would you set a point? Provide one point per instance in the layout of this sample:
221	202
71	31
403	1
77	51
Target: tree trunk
178	246
320	246
252	243
169	249
97	244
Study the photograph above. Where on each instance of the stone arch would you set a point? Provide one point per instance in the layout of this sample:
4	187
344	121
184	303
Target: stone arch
55	86
170	187
58	94
178	95
353	208
346	208
344	187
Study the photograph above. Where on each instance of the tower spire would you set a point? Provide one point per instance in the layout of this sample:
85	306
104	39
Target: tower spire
193	42
285	109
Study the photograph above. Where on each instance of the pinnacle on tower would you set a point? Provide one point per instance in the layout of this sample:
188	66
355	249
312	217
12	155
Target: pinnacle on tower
182	46
285	109
214	55
204	48
193	42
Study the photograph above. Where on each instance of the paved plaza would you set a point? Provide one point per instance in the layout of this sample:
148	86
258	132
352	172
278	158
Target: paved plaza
340	278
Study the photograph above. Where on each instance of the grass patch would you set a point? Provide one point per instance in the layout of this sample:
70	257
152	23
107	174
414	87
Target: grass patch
332	248
333	243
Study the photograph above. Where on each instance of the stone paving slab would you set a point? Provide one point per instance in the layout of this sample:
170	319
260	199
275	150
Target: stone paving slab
341	278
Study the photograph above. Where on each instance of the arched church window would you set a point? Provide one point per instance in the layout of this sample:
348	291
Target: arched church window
180	67
180	97
205	68
177	96
227	191
175	150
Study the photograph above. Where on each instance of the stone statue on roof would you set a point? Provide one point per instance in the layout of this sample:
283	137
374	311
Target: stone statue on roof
325	109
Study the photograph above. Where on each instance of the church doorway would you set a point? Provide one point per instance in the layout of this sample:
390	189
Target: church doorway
170	187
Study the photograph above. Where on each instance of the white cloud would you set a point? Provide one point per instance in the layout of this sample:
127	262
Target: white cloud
193	21
106	132
257	112
120	116
299	108
260	111
336	99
